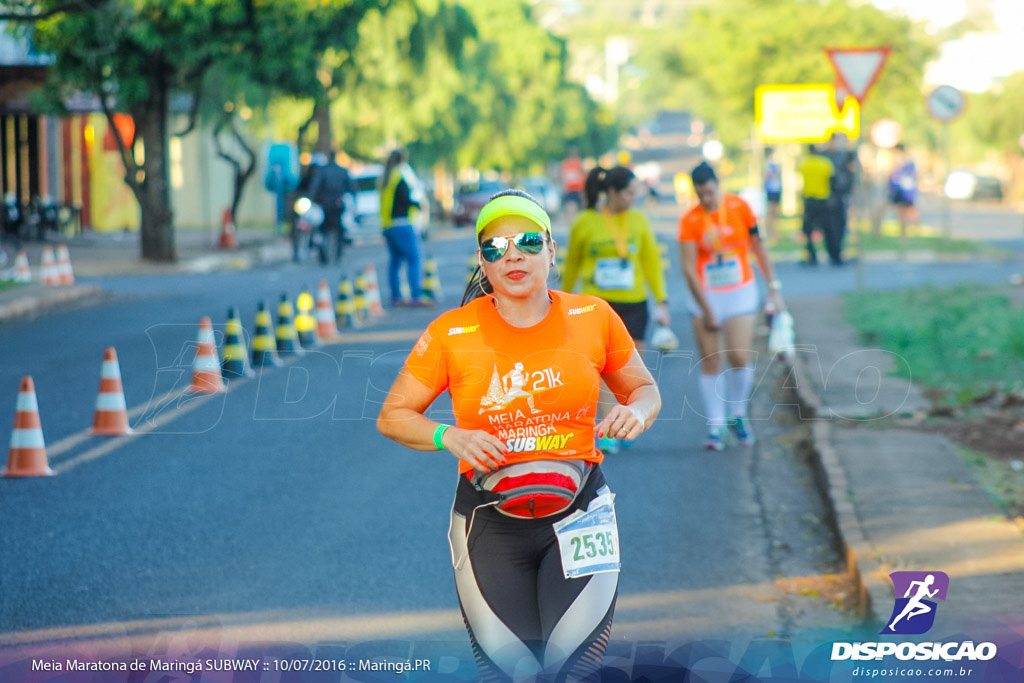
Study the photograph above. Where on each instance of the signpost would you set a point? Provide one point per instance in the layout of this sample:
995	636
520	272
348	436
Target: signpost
945	103
857	69
804	112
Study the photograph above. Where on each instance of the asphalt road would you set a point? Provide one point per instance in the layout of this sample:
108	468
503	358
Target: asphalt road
277	512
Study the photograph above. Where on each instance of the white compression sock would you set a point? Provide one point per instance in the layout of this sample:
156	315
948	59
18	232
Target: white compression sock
714	403
739	383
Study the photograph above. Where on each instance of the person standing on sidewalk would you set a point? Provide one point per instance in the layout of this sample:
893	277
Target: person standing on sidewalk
772	192
903	188
716	239
397	206
844	162
536	601
614	254
817	172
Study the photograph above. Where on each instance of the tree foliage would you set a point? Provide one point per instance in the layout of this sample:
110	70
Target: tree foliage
731	47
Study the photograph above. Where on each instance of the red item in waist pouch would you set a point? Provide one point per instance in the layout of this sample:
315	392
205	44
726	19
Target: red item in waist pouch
535	489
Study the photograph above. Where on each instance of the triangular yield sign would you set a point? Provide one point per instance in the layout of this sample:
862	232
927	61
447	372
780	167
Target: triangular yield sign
858	67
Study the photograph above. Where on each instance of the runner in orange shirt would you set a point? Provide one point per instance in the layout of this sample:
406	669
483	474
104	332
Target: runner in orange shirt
716	240
533	535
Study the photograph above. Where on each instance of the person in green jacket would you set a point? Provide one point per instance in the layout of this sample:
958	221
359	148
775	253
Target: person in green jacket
613	254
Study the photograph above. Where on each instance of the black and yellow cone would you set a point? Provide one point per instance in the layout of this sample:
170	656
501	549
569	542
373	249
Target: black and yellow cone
345	309
287	337
264	348
305	321
234	359
431	280
362	311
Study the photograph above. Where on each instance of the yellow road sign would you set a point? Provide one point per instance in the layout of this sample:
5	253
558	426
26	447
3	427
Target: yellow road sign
805	112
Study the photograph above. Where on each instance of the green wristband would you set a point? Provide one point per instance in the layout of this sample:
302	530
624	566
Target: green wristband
439	436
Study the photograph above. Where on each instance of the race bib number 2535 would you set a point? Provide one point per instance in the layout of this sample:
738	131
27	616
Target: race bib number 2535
589	539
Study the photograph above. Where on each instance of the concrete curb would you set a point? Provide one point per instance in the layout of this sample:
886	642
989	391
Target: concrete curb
41	298
861	561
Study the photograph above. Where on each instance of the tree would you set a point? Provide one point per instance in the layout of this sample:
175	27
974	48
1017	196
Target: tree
734	46
134	55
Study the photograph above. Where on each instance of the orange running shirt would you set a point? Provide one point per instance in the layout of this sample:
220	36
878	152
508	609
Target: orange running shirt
535	388
723	258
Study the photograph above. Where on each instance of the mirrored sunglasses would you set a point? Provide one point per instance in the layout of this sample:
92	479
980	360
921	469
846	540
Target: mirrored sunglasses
527	242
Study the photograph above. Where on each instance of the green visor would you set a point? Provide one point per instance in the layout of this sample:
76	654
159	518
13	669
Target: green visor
512	205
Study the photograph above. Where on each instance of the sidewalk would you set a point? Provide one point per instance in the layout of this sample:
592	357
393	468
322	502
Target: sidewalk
903	499
106	254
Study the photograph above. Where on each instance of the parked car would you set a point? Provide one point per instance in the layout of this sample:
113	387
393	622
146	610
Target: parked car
471	197
542	189
968	185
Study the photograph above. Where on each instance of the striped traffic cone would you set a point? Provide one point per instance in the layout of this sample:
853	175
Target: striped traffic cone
65	274
362	314
264	347
305	323
48	271
22	272
326	324
206	377
27	455
345	309
374	306
111	416
431	280
287	337
234	361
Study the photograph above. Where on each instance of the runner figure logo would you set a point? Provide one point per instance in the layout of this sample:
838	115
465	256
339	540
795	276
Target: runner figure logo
914	613
505	389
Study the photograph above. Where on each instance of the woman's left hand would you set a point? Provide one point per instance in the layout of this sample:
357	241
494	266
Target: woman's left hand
621	422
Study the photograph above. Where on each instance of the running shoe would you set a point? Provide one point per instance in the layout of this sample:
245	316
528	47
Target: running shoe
740	427
714	442
607	446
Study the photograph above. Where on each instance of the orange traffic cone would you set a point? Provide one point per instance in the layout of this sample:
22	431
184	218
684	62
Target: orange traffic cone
374	306
22	273
27	456
326	323
111	417
227	232
48	274
206	376
65	274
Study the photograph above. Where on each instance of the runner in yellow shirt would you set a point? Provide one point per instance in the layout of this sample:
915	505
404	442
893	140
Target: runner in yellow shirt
613	255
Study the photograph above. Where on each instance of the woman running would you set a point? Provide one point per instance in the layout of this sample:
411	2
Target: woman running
613	253
533	536
716	239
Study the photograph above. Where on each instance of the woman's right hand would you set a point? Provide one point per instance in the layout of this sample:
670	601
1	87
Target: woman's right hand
711	322
484	451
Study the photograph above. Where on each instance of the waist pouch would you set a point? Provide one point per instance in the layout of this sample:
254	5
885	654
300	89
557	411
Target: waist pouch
535	489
